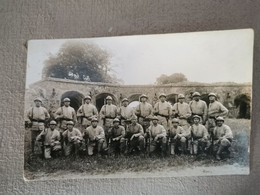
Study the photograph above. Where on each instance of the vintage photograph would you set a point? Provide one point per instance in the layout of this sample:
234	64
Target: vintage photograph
162	105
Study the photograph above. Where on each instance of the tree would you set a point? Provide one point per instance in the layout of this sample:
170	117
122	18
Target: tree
80	61
174	78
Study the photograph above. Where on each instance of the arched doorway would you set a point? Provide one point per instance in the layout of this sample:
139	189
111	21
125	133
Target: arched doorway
101	99
172	98
134	97
75	99
205	97
242	102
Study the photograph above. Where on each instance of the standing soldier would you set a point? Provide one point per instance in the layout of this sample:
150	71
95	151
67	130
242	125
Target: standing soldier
215	109
199	136
116	136
199	107
135	135
157	136
95	137
51	140
222	136
163	111
108	113
182	111
125	112
177	137
36	118
143	110
87	111
73	139
65	113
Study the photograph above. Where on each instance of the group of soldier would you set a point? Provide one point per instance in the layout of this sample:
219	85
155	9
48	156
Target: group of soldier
183	128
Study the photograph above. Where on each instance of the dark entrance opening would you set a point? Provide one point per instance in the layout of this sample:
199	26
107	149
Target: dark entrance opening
75	99
101	100
172	98
205	97
242	102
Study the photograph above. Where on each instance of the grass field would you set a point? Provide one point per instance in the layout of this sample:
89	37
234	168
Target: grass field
135	163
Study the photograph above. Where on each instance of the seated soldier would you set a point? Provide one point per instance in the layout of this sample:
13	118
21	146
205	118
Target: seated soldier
135	135
198	136
157	136
177	137
51	139
72	138
95	137
116	137
222	136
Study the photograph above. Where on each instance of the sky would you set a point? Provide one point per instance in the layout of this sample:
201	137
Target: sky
212	56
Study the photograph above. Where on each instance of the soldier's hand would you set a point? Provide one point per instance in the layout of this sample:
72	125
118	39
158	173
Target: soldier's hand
132	137
156	138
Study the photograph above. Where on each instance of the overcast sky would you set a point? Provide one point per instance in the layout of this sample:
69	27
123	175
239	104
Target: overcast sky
214	56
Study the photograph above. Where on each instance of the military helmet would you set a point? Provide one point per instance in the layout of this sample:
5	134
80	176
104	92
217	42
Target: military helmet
212	94
37	99
53	122
134	117
196	94
66	100
109	98
125	100
219	118
94	120
196	116
116	120
87	97
175	120
155	118
70	123
162	94
143	95
181	96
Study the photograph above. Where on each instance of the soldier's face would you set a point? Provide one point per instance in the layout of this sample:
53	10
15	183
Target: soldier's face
37	103
162	98
94	123
196	98
133	121
109	102
212	98
143	99
155	122
70	127
220	123
116	124
196	120
125	103
66	103
175	125
87	101
181	100
52	127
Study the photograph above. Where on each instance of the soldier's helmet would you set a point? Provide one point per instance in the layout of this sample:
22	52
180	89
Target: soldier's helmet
70	123
220	119
143	96
94	120
66	100
108	98
155	118
196	94
125	100
213	94
175	120
181	96
87	97
37	99
53	122
134	117
162	95
116	120
196	116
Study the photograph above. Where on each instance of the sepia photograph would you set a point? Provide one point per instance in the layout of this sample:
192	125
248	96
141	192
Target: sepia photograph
160	105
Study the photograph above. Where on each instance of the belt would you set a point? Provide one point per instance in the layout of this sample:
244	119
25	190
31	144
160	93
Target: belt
66	119
212	117
109	117
166	116
39	121
197	114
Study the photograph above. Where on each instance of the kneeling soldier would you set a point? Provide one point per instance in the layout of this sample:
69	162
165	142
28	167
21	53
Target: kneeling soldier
116	137
95	137
73	139
135	135
157	136
51	140
199	136
177	136
222	136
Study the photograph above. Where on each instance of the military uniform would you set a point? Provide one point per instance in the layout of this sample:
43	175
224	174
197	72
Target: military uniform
87	111
163	111
51	141
95	138
36	116
125	113
143	110
199	108
73	140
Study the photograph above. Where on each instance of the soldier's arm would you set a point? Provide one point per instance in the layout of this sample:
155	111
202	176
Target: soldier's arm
38	138
58	114
170	110
79	111
188	114
102	112
95	111
79	134
155	108
74	116
137	109
205	133
101	133
119	113
224	110
28	115
205	111
141	131
228	133
47	115
163	132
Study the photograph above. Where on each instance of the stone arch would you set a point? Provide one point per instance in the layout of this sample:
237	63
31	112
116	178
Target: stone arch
75	99
100	100
134	97
205	97
172	98
243	103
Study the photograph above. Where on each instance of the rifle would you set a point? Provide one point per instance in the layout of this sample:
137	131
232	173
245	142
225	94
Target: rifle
212	142
192	140
42	145
148	143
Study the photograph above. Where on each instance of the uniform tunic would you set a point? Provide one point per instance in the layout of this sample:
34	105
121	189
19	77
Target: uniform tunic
66	113
93	133
217	109
37	115
199	108
184	112
50	136
179	130
126	112
223	132
116	132
71	135
134	129
163	110
156	130
199	131
144	109
87	111
109	112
